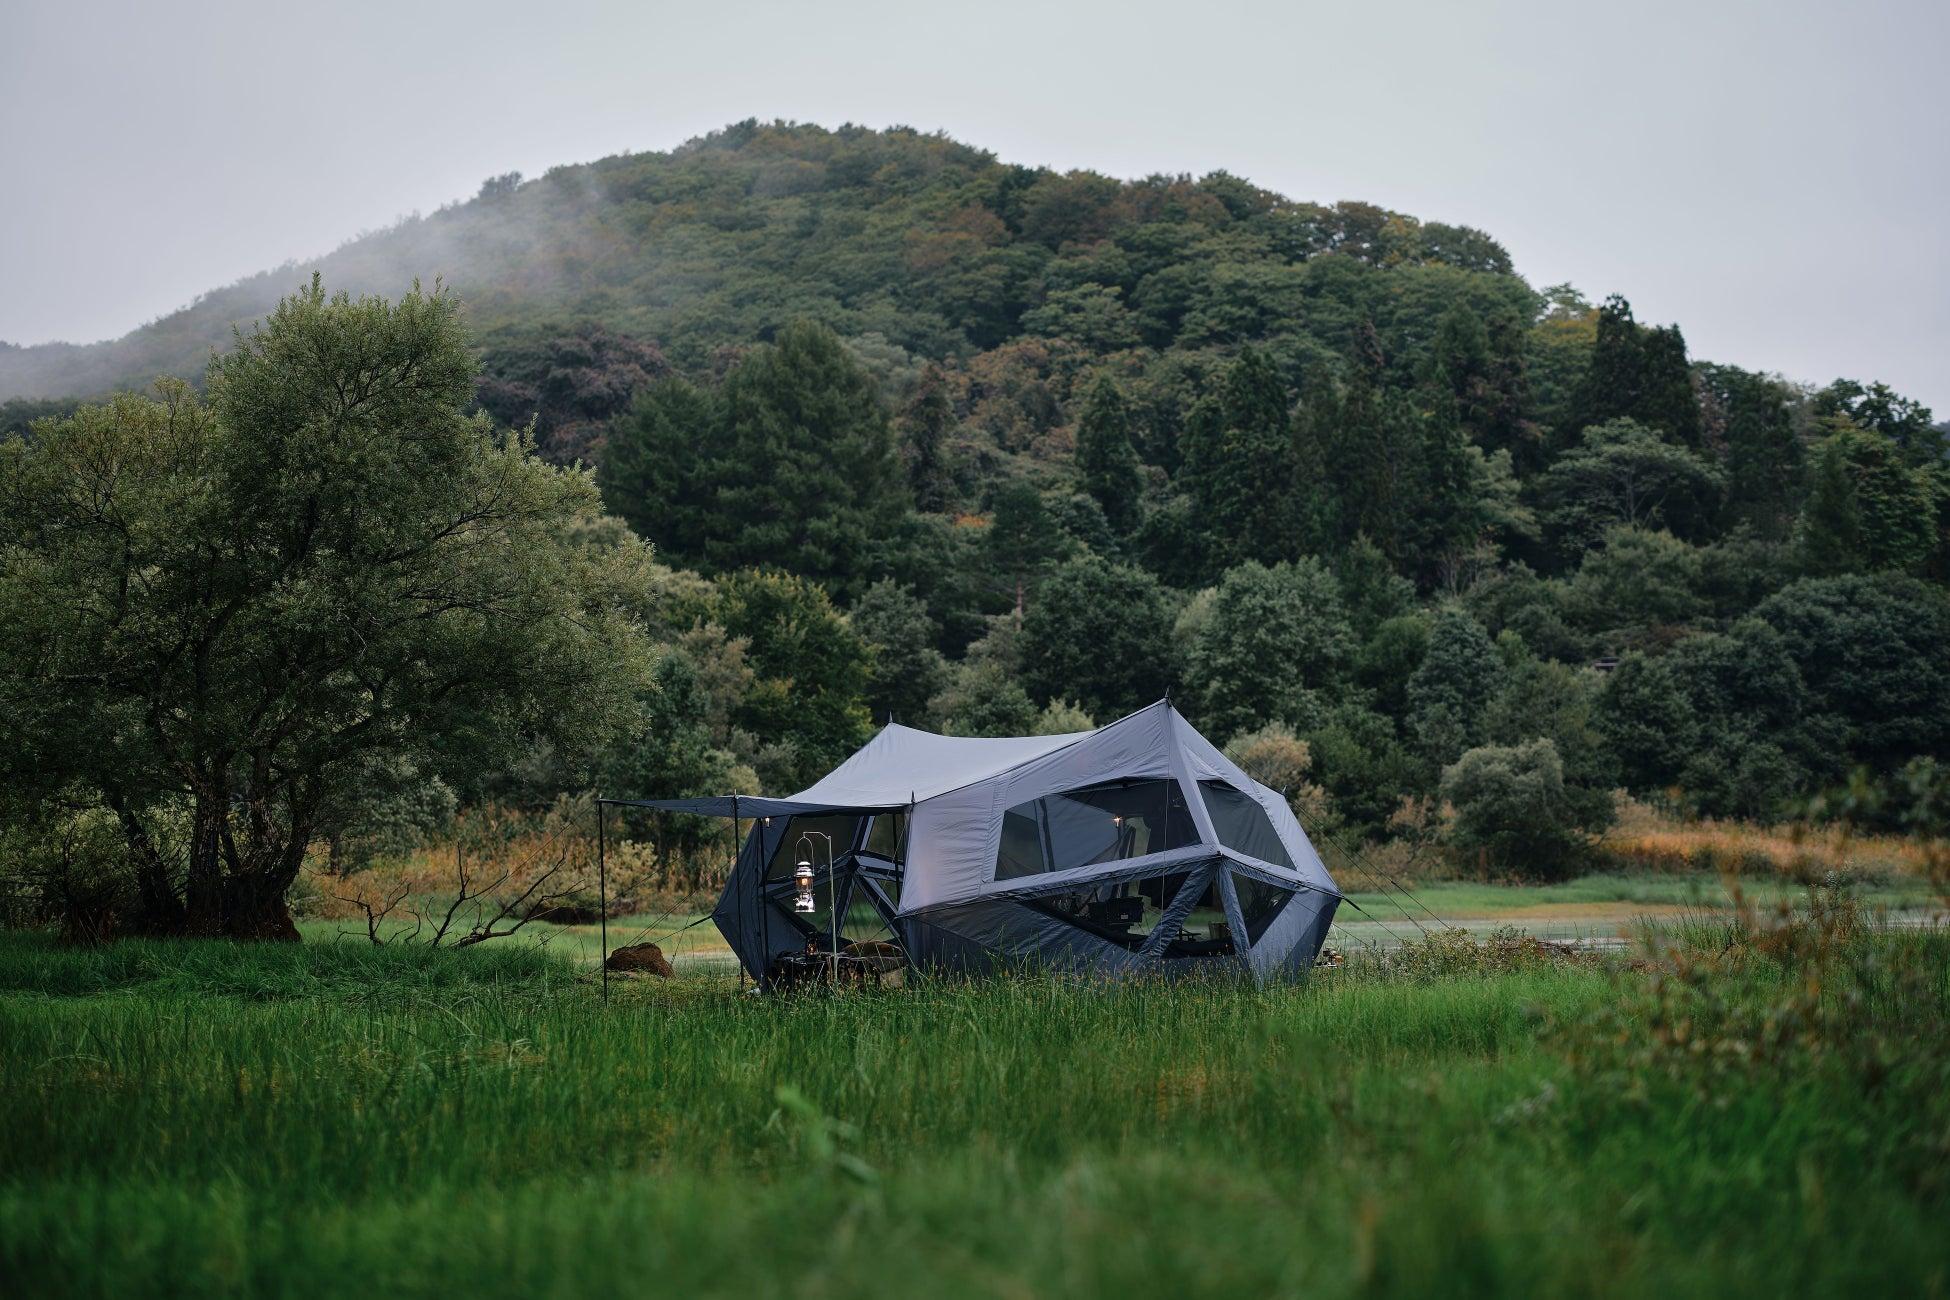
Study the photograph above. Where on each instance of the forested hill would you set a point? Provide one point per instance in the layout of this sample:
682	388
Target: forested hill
931	245
996	449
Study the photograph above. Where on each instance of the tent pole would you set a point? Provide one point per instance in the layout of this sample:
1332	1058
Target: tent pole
602	894
736	842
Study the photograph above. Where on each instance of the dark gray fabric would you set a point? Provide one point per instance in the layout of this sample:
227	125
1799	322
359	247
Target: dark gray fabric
1293	941
1242	824
1016	936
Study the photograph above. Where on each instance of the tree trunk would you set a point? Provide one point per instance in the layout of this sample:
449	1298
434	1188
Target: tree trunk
224	892
254	908
203	890
161	910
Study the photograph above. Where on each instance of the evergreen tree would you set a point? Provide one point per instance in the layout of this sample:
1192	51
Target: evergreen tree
1241	464
806	476
1869	508
655	471
1830	540
1444	520
1371	590
1372	457
907	670
1107	464
925	425
1316	433
1022	539
1637	373
1749	422
1481	369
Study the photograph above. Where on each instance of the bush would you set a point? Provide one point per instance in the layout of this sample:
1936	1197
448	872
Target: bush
1511	809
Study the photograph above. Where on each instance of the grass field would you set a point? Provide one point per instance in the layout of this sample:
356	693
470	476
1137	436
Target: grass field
335	1119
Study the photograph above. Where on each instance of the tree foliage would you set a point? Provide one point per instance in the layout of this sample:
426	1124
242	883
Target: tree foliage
1058	443
1099	634
790	462
232	618
1273	645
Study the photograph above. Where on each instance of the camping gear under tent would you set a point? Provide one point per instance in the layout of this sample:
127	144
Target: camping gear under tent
1134	848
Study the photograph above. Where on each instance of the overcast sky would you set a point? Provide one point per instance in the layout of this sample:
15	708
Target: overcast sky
1774	176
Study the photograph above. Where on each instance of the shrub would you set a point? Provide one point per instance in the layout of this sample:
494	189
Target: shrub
1511	809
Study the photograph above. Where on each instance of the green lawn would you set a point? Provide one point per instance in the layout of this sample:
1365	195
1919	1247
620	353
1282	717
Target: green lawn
334	1119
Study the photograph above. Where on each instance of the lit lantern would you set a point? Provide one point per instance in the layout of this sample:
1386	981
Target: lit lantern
802	876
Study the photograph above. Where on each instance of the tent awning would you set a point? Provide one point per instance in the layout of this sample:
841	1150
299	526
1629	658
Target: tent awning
751	805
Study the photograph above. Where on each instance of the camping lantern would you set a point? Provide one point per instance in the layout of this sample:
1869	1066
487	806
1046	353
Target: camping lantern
802	876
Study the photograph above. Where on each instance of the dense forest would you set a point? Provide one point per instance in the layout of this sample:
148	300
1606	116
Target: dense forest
919	434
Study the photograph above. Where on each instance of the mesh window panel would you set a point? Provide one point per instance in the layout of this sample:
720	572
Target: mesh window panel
886	836
1259	903
1105	823
791	849
861	924
1243	825
1126	913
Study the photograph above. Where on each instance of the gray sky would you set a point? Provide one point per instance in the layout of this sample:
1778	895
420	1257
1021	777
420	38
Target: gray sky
1774	176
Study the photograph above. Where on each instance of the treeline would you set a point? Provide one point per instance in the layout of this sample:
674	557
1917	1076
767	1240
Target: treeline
1734	606
991	449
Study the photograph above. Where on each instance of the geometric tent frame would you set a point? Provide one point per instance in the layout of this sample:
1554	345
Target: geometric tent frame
1134	849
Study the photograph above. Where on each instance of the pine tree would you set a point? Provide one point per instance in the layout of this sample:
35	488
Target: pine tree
804	473
1107	464
1748	420
925	425
1442	518
1831	528
1372	454
1448	695
1241	462
1636	373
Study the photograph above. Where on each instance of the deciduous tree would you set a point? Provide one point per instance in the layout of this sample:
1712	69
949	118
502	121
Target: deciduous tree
220	617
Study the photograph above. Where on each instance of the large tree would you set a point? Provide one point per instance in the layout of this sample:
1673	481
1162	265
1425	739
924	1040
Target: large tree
1098	634
1623	474
225	620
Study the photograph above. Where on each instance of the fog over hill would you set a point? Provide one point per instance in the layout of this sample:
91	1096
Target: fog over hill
935	246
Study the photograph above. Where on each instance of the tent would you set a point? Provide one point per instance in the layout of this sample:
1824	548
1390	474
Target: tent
1135	848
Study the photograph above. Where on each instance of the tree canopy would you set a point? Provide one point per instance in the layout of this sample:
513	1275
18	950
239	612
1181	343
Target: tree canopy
992	449
227	619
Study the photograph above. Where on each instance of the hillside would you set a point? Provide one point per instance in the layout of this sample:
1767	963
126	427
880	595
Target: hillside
936	247
923	433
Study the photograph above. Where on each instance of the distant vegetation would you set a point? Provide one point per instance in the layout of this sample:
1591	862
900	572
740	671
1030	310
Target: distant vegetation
918	433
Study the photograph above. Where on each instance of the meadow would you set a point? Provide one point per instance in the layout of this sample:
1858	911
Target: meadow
1750	1104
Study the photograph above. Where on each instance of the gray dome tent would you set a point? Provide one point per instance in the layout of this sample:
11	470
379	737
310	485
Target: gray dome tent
1134	848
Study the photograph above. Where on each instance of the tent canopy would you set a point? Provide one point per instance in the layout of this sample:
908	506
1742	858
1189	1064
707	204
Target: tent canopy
896	769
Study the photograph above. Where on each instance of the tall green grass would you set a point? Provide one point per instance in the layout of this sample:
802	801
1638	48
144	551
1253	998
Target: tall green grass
206	1118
